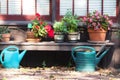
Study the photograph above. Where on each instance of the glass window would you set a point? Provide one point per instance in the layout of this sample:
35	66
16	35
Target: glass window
14	7
3	6
80	7
24	7
43	7
95	5
28	7
83	7
64	5
109	7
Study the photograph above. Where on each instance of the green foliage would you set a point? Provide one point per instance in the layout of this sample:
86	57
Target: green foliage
38	29
4	29
71	21
118	33
43	64
59	27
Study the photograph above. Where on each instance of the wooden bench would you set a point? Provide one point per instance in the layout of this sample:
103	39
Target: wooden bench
52	46
47	47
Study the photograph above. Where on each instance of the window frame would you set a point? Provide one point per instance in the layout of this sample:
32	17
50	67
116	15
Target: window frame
114	18
54	13
22	17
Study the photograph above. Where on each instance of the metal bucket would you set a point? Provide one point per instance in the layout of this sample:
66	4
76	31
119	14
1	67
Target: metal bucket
84	58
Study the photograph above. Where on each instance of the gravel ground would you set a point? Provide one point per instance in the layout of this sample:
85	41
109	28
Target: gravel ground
56	73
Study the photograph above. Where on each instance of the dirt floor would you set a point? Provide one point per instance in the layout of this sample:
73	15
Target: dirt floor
56	73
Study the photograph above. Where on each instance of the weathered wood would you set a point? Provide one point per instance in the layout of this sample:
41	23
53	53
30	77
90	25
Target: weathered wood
14	23
51	46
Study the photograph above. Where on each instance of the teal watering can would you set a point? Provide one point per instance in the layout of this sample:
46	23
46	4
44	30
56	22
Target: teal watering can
86	58
10	57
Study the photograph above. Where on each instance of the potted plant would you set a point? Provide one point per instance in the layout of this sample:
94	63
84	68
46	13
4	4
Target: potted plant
5	33
71	22
118	33
59	31
40	28
97	25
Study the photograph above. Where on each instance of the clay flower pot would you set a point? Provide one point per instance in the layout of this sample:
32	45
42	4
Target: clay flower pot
6	37
97	35
32	38
30	34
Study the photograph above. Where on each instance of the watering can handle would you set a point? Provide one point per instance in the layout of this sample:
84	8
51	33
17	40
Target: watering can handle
102	48
2	53
78	47
72	53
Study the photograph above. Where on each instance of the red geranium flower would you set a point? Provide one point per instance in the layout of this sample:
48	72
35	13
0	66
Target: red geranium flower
37	15
48	28
41	28
41	23
51	33
37	27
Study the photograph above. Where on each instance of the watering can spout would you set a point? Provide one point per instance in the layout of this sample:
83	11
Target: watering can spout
101	56
21	55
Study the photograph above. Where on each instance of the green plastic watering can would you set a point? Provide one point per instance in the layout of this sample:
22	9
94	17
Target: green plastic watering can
10	57
86	58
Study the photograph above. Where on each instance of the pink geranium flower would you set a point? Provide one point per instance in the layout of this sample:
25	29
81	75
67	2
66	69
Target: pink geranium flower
110	22
84	19
97	21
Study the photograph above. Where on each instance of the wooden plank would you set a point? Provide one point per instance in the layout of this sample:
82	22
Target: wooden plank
51	46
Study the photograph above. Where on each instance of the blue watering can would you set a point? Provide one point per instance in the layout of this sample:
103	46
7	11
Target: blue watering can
10	57
86	58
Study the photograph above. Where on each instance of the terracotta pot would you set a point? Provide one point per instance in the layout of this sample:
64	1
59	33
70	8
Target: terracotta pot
33	40
31	37
97	35
30	34
6	37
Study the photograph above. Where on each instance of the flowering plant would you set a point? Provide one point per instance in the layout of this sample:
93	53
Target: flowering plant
97	21
41	28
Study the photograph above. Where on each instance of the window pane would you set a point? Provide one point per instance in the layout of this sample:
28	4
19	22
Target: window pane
43	7
109	7
3	6
14	7
28	7
64	5
80	7
95	5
